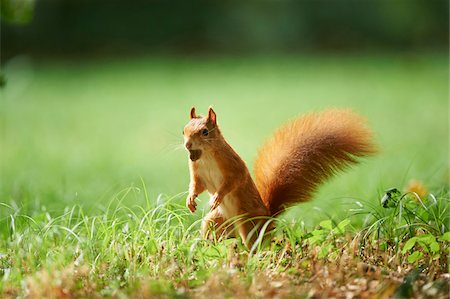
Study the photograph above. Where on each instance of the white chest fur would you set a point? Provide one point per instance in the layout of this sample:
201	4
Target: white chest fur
209	173
211	176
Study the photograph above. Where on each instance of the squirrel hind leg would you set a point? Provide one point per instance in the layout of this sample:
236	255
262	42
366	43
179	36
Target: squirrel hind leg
214	227
250	231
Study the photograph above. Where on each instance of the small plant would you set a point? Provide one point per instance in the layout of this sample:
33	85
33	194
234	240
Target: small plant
407	225
401	216
325	237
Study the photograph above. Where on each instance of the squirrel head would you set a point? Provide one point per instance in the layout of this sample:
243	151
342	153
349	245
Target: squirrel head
200	133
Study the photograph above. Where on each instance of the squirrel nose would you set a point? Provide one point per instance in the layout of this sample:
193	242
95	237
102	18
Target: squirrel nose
188	145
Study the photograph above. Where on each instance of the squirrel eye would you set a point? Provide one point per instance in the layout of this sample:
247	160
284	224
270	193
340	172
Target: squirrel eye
205	132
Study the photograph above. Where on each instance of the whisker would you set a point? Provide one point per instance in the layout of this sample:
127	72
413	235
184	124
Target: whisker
175	147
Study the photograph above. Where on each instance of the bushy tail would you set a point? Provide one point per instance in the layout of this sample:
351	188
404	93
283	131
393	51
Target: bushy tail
305	152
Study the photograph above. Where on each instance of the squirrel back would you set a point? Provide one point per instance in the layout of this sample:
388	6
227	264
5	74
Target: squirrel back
305	152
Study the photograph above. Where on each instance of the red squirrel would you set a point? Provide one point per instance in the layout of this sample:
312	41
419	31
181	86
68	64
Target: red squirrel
289	167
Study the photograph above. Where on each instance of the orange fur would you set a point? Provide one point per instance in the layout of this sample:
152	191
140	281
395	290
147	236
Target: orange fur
305	152
288	169
224	175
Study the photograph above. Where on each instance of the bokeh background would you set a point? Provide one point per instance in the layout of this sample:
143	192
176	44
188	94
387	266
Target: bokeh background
95	93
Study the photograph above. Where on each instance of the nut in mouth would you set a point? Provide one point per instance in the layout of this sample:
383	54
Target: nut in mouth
194	155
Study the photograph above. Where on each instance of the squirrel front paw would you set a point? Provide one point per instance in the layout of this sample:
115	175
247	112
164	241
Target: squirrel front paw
190	202
216	201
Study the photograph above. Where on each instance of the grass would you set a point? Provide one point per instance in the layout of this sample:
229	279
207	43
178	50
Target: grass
88	147
154	248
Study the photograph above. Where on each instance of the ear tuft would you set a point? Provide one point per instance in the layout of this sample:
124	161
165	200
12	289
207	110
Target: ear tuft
192	114
212	116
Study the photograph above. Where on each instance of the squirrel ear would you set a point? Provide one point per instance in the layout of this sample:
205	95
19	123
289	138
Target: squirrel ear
212	116
193	115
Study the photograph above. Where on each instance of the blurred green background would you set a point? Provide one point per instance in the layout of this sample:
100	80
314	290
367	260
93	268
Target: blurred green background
96	92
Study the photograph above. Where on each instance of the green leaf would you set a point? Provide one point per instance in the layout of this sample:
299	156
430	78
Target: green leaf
414	257
315	240
326	224
409	244
318	232
341	226
445	237
424	246
427	239
324	251
214	251
434	247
